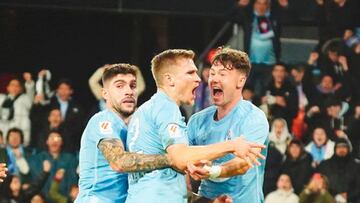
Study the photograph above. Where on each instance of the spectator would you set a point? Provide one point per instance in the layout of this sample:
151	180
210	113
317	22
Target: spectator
15	154
321	147
297	165
3	170
353	130
316	191
284	192
280	135
14	191
306	93
272	168
337	19
261	38
59	160
55	123
340	168
71	112
15	106
39	198
54	189
281	96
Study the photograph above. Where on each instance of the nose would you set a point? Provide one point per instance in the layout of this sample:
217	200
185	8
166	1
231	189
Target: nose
197	78
129	91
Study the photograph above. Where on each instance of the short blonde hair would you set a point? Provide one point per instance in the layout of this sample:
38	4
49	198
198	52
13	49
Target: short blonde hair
163	62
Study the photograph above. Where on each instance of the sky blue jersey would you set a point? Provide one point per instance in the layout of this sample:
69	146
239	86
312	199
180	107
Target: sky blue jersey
98	182
244	119
156	125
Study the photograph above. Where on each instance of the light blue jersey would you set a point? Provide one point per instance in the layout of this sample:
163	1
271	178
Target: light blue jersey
244	119
156	125
98	183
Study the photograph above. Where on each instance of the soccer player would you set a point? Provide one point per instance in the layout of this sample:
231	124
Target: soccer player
103	159
229	117
157	127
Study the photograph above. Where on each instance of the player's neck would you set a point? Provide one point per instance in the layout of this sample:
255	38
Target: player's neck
170	93
225	109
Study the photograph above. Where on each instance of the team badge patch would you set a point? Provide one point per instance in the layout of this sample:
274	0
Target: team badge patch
105	127
174	130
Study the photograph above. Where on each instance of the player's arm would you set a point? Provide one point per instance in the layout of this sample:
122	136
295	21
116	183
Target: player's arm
182	154
123	161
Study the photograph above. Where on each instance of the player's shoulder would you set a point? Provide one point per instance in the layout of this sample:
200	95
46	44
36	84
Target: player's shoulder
251	111
102	118
203	114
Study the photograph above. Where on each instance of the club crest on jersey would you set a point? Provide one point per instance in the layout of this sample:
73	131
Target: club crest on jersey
174	130
105	127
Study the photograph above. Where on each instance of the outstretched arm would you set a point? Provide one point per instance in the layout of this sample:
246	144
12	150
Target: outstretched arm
122	161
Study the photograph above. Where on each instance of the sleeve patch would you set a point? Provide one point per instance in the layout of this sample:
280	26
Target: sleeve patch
105	127
174	131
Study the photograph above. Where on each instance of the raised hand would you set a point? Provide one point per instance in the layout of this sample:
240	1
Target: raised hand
248	151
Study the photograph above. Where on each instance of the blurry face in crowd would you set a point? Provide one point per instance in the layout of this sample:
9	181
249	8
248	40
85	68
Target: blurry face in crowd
14	139
333	56
37	199
357	48
185	80
333	111
339	1
279	127
341	151
120	94
261	6
64	91
15	184
248	94
14	87
54	142
55	118
319	137
279	73
284	182
224	84
327	83
297	75
294	151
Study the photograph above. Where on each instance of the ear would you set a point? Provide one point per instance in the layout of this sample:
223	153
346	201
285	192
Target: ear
104	93
169	79
241	82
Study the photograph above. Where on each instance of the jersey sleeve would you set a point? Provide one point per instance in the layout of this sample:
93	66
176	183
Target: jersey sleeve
102	127
256	128
172	128
191	131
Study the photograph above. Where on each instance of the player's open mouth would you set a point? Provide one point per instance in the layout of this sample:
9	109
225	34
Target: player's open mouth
216	91
193	91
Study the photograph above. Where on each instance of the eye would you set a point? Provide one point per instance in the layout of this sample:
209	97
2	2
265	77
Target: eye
133	86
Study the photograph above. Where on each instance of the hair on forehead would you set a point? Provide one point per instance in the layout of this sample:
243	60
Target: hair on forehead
232	59
168	58
119	68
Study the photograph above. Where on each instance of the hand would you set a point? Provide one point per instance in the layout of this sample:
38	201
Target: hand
357	112
314	109
283	3
223	199
243	2
46	166
340	134
42	73
197	170
280	100
313	57
348	34
38	98
264	100
59	175
248	151
337	86
27	77
343	62
3	171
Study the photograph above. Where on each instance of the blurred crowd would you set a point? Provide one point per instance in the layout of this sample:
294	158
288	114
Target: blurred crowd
313	109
